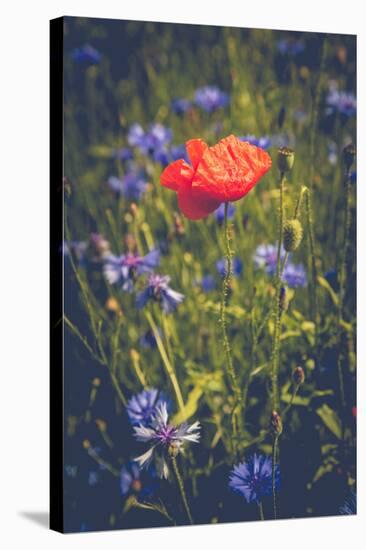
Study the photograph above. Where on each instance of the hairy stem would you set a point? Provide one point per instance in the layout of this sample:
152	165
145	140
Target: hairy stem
181	489
274	459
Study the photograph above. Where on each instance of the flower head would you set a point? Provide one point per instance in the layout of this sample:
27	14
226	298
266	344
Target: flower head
265	257
132	186
141	408
220	213
295	275
343	102
290	47
222	173
349	507
126	268
151	141
207	283
210	98
237	266
133	482
163	436
158	289
86	55
253	479
263	142
181	105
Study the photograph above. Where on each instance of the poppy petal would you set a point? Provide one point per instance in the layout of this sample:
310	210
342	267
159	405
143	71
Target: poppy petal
229	170
194	205
176	174
195	149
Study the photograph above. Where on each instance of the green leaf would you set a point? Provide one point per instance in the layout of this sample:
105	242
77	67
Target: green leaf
190	406
330	419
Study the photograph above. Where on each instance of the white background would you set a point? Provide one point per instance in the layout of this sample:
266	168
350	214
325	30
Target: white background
24	279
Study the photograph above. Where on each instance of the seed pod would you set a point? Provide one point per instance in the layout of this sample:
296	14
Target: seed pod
285	159
276	423
292	235
349	154
298	376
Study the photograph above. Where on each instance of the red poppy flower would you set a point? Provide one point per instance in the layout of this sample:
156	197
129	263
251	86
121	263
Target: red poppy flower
222	173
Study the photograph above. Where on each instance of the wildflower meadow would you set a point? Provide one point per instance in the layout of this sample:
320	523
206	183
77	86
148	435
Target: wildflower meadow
209	274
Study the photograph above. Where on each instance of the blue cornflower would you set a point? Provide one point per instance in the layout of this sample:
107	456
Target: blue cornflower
343	102
253	479
208	283
148	340
93	478
265	257
78	248
132	186
130	479
126	268
124	154
349	508
220	212
164	437
142	406
290	47
158	289
237	266
295	275
181	105
71	471
155	139
87	55
354	177
264	142
210	98
179	152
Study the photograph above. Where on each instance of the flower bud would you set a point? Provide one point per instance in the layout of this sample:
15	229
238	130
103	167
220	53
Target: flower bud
276	423
292	235
285	159
173	450
349	154
284	301
298	376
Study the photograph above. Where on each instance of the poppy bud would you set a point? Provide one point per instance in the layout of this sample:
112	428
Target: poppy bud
298	376
349	153
292	235
276	423
284	301
285	159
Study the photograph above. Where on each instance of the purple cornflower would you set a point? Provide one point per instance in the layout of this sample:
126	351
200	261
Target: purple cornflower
158	289
181	105
156	138
295	275
132	186
78	248
126	268
253	479
220	212
265	257
148	340
141	408
349	507
237	266
208	283
343	102
290	47
124	154
210	98
264	142
86	55
162	437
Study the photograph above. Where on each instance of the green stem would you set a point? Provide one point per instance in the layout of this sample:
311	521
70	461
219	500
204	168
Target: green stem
274	459
168	366
314	274
261	513
294	393
181	489
343	286
227	349
277	308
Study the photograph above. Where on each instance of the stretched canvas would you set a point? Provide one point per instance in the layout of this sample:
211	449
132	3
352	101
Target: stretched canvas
203	308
